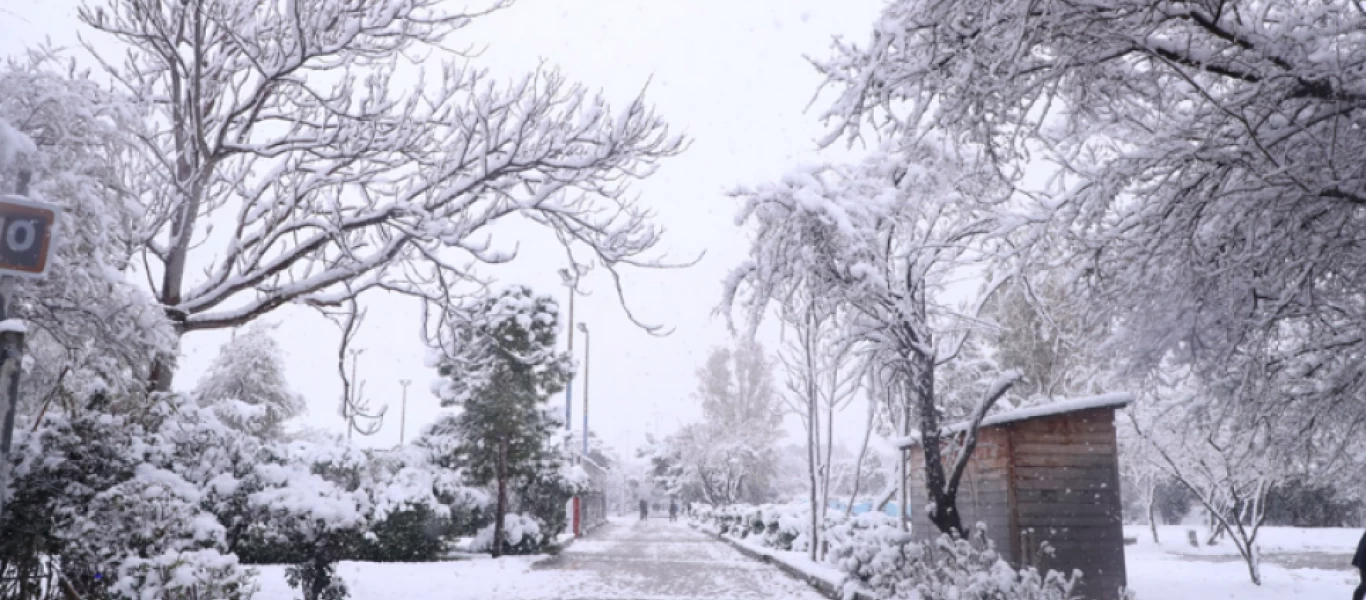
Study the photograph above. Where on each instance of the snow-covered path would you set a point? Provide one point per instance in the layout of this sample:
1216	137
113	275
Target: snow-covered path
657	559
624	560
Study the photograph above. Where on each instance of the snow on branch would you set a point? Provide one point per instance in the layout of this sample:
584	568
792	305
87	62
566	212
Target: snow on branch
291	161
13	143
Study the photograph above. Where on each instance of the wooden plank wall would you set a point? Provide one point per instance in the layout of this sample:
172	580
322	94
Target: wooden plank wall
983	496
1066	483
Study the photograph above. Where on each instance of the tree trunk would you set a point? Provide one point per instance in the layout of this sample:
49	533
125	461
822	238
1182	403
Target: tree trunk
1152	508
921	393
815	513
177	254
1254	565
901	472
829	455
811	452
501	511
1217	530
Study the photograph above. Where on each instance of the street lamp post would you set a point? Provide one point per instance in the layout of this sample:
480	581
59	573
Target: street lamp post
348	412
586	355
569	281
403	411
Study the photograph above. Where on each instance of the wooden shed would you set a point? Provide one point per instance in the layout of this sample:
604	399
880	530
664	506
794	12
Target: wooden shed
1043	474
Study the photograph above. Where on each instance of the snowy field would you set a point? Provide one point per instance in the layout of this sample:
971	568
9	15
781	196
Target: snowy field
1155	574
1176	571
1272	540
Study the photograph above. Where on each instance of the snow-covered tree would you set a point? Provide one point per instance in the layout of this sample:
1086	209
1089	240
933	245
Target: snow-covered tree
250	369
282	153
722	464
500	369
664	469
1209	160
730	455
1230	470
821	379
1040	332
731	451
881	238
90	326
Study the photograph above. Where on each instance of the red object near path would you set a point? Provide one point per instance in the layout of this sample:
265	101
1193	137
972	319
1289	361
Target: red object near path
577	532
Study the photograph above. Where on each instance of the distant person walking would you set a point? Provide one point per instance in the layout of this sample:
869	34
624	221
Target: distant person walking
1359	561
673	510
644	509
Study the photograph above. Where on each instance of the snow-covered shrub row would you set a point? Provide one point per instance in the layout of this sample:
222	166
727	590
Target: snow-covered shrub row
780	526
876	556
156	503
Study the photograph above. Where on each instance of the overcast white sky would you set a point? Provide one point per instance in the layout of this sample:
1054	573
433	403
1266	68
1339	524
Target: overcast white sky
731	74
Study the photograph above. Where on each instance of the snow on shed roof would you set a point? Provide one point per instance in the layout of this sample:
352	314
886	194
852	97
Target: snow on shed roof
1111	400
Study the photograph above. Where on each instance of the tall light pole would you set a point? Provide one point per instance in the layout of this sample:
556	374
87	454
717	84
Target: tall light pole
403	411
347	412
587	346
570	281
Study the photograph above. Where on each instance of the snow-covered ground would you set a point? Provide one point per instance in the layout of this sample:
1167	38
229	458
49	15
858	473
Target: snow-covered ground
477	579
1174	570
1155	574
1272	540
1170	571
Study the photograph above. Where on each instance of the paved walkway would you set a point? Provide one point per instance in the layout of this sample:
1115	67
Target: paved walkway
655	559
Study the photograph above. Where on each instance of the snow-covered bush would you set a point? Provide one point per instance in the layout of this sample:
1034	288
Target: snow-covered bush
159	504
192	575
876	555
124	502
521	535
320	502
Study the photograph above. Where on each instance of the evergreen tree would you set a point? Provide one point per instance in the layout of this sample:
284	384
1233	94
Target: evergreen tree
246	384
500	369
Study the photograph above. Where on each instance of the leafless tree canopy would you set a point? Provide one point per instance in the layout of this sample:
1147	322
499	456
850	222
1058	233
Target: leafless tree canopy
284	161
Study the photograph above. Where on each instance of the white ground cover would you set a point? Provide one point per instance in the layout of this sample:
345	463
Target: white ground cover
1176	571
1165	572
476	579
1272	540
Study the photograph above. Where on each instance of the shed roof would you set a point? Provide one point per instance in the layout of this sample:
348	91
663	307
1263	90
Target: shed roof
1111	400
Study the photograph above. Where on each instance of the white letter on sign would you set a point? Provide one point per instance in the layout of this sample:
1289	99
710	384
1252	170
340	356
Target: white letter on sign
21	235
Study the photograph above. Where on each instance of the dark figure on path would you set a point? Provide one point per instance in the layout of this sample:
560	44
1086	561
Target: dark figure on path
673	510
644	509
1359	561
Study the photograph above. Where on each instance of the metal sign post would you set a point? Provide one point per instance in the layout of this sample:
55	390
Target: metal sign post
26	238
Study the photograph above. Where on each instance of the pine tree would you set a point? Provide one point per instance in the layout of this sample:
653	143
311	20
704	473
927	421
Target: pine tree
500	369
246	384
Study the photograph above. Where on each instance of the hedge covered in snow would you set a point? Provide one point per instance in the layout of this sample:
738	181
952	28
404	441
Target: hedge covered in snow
876	556
172	501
